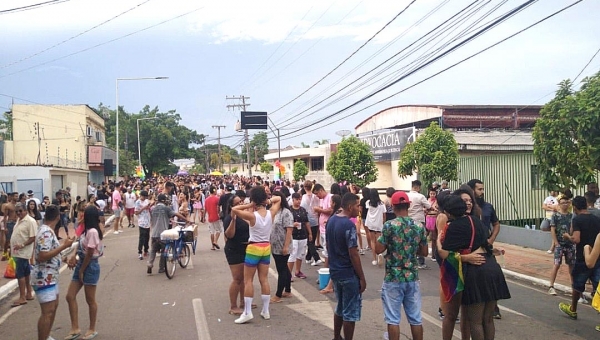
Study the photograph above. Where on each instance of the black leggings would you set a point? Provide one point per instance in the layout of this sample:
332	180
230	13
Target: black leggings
312	252
285	277
143	240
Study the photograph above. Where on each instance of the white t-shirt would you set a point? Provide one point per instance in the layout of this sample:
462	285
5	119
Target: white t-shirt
374	218
418	203
550	200
130	199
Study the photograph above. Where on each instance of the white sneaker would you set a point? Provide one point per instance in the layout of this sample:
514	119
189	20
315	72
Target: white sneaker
265	316
50	338
308	261
582	301
244	318
116	233
549	251
316	263
374	263
120	231
551	291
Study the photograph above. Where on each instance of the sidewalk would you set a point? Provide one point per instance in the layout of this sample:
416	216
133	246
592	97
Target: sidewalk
527	264
533	266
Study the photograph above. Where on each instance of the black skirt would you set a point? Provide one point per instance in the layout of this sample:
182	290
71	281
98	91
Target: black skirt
484	283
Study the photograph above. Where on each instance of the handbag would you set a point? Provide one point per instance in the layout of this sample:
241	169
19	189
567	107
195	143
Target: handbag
10	272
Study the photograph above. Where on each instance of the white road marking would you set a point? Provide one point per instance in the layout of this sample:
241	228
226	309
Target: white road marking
200	317
506	309
435	321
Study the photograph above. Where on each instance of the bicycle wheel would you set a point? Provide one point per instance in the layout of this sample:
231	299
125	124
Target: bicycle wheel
171	261
184	256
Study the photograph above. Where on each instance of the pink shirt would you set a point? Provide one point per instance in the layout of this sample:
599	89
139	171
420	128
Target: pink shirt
116	199
324	204
92	241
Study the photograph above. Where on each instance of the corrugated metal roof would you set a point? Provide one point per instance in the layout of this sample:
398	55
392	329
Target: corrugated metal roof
494	140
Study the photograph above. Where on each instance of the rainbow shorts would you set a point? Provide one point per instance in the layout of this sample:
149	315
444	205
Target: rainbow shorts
258	253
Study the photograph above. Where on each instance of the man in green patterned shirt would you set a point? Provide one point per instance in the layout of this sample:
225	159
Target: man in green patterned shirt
402	239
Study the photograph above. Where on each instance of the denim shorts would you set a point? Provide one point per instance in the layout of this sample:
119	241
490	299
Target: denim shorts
117	212
22	267
47	294
347	292
581	273
396	294
10	226
91	276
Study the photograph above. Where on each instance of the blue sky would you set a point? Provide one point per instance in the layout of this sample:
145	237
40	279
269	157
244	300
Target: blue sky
272	51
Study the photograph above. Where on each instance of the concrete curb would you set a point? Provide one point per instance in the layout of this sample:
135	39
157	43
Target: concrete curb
536	281
8	288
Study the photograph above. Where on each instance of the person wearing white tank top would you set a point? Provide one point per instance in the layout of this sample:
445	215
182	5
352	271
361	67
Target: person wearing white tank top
258	251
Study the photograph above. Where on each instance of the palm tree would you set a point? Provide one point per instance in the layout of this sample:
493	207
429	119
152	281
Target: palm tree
321	142
304	145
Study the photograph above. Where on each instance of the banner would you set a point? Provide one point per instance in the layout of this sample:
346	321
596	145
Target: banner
386	146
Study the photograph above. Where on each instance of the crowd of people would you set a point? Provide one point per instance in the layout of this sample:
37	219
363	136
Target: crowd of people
296	224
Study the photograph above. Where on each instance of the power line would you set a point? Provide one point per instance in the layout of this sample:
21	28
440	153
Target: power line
456	16
30	7
586	65
347	58
437	73
75	36
277	49
103	43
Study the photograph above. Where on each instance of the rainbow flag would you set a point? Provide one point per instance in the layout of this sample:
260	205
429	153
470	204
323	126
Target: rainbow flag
451	276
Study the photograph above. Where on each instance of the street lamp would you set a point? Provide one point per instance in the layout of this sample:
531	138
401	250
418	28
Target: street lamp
117	111
138	135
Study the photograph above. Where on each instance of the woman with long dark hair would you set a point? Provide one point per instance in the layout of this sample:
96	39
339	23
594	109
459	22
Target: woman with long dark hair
465	241
374	221
366	194
32	211
281	238
86	273
236	235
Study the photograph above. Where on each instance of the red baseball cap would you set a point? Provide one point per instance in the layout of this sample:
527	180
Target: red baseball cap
400	197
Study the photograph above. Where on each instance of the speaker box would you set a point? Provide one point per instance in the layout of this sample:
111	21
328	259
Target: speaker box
108	167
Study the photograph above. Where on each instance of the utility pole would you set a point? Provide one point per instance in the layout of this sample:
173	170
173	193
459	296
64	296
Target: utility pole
206	156
39	139
243	106
219	127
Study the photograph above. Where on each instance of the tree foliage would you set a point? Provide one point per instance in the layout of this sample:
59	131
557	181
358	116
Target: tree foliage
567	136
266	167
260	142
434	155
353	162
161	140
300	170
6	126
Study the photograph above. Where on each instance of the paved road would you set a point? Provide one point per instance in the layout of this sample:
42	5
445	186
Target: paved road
194	305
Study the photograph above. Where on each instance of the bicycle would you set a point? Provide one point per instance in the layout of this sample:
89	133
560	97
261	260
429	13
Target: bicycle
176	249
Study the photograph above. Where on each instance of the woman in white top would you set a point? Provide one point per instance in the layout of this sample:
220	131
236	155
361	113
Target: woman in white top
374	219
258	251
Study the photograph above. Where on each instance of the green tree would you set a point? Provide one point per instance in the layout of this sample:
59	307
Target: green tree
567	136
321	142
6	126
353	162
214	160
300	170
304	145
161	140
260	142
434	155
266	167
234	170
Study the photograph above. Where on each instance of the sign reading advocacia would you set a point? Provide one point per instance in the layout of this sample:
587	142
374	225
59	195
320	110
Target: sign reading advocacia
386	146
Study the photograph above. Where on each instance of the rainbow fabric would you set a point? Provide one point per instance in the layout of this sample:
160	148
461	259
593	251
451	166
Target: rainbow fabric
451	276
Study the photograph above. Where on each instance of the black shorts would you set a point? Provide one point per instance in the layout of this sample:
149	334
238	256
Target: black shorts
235	254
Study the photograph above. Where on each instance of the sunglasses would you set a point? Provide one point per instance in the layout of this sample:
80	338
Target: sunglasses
19	211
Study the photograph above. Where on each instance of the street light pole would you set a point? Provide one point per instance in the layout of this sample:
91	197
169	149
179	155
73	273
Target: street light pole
117	112
138	135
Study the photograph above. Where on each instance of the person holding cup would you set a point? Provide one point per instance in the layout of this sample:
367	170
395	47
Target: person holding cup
301	235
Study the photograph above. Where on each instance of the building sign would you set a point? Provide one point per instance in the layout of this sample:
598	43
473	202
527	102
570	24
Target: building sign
97	154
387	146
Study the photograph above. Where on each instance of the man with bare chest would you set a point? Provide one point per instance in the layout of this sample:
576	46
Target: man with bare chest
10	219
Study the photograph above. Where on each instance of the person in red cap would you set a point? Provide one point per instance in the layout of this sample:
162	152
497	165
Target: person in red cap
402	239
